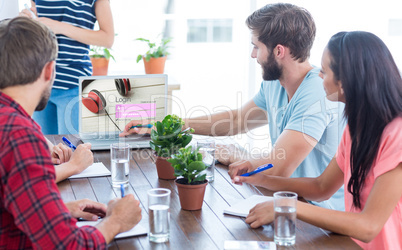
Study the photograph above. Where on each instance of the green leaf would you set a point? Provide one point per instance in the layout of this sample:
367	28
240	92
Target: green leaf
186	140
200	177
196	165
178	173
139	57
159	128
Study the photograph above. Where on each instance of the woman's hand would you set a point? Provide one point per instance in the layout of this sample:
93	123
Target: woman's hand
261	214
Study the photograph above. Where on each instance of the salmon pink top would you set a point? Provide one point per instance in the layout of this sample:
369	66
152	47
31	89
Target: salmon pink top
388	157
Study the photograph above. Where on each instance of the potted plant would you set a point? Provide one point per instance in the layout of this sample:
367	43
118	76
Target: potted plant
166	140
100	60
188	164
155	58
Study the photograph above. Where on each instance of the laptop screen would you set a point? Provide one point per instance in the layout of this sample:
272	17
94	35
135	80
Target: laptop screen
108	103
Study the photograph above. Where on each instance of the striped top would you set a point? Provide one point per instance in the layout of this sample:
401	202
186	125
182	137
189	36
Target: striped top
73	58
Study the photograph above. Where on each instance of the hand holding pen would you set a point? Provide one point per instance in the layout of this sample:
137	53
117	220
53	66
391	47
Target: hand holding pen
258	170
246	177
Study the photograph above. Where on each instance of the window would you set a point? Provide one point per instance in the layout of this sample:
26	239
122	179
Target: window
395	27
209	30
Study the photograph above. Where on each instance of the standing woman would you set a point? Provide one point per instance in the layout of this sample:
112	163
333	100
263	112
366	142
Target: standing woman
72	21
357	69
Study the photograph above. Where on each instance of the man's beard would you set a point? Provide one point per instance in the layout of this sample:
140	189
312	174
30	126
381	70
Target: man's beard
43	100
271	69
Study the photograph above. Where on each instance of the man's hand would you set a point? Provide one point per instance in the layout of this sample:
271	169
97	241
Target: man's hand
261	214
239	168
125	212
86	209
60	153
82	158
228	154
128	130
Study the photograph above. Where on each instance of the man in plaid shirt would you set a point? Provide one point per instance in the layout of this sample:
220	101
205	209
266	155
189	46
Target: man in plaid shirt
32	213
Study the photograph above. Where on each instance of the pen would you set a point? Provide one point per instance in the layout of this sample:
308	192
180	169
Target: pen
27	8
142	126
122	190
68	143
259	169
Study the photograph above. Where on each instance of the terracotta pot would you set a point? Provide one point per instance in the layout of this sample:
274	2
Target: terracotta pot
164	168
100	66
155	65
191	196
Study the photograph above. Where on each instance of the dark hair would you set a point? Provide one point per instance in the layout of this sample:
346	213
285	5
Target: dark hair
284	24
25	48
372	88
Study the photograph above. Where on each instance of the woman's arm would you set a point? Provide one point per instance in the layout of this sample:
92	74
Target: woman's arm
103	37
366	225
363	226
316	189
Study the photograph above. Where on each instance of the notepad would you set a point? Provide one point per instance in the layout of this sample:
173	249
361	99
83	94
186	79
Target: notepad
135	231
95	170
242	208
242	244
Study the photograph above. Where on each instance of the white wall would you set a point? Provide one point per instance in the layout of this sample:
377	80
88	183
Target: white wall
8	9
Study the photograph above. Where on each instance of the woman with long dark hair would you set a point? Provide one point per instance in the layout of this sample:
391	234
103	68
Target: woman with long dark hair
357	69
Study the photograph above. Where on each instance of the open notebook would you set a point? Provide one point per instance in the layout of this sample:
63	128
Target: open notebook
97	169
242	208
135	231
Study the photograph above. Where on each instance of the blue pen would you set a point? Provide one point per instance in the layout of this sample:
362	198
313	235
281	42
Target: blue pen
68	143
142	126
122	190
259	169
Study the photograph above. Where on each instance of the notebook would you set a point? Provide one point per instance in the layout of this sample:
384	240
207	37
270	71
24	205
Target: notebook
97	169
242	208
108	103
135	231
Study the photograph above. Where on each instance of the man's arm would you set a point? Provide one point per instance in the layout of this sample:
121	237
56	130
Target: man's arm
291	148
230	122
80	160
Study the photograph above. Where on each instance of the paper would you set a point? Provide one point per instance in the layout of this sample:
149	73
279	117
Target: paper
95	170
135	231
238	244
243	207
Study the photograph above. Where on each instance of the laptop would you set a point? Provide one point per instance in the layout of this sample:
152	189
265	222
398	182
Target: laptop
108	103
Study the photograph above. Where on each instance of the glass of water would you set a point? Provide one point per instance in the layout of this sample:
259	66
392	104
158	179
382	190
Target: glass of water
207	149
120	157
159	214
285	218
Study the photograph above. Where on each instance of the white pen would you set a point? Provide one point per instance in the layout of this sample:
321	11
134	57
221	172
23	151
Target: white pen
27	8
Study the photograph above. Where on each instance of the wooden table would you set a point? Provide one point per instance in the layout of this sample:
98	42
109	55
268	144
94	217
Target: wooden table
207	228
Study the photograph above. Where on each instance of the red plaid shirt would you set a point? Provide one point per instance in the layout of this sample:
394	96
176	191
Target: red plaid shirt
32	213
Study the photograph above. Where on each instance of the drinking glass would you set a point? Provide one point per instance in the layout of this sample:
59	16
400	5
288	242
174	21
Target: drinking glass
119	155
285	218
207	149
159	214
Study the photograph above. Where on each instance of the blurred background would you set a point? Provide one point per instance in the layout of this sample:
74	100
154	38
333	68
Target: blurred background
210	51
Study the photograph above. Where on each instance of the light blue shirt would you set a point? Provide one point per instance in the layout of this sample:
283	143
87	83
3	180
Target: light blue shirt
311	113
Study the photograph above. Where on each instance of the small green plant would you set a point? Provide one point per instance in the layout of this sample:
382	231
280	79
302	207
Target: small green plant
188	163
100	52
155	50
169	137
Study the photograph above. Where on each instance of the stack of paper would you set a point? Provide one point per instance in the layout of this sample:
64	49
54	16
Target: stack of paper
243	207
95	170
